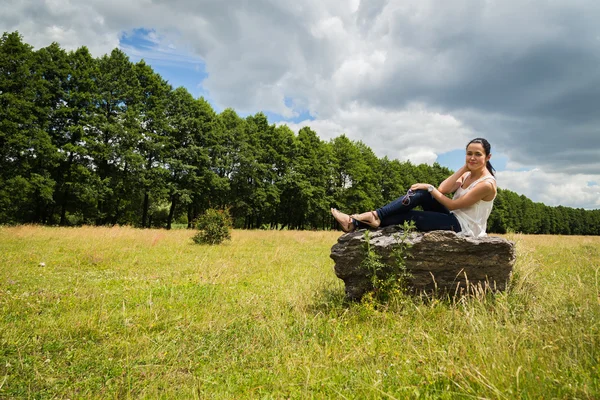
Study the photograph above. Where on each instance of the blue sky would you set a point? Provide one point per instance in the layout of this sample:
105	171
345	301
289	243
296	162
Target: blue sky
176	67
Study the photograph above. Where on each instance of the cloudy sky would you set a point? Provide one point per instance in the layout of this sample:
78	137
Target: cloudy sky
412	79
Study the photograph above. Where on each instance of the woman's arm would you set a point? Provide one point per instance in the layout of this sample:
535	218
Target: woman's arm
451	183
478	192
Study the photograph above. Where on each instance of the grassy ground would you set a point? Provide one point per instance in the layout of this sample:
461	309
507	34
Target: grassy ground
126	313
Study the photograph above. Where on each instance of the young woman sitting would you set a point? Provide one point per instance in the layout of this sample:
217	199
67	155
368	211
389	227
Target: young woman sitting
474	188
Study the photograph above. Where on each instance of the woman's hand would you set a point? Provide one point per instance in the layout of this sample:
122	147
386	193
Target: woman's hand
451	183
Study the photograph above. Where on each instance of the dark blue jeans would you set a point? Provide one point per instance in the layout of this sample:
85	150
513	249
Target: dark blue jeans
433	217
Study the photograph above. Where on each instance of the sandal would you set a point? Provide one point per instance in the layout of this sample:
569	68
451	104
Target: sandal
344	220
374	223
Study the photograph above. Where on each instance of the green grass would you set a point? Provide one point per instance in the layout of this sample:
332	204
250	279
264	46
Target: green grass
126	313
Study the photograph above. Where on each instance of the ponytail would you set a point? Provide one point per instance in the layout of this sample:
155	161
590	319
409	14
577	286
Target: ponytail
490	168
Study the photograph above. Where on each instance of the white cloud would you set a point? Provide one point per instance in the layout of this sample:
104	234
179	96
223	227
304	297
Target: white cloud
553	189
71	24
415	133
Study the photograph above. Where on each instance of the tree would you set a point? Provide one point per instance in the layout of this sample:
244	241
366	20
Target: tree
26	187
76	178
355	183
251	182
154	136
188	160
308	182
114	134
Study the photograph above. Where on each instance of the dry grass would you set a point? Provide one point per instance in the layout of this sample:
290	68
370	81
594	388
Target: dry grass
120	312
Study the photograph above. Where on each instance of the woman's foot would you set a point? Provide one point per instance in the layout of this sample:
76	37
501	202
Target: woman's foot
369	218
344	220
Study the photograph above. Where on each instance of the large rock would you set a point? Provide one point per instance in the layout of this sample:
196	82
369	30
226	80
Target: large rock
439	262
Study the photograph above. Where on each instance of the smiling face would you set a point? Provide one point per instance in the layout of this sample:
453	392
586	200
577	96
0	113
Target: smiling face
476	157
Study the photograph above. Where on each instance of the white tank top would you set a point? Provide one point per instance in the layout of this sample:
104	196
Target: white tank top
473	219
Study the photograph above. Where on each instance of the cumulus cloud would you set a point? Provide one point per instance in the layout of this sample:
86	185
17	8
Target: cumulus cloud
414	133
554	189
71	24
410	78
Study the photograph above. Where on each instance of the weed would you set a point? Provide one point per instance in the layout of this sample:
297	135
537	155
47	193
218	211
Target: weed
391	279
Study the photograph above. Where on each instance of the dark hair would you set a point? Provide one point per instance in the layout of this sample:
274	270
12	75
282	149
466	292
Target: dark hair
487	148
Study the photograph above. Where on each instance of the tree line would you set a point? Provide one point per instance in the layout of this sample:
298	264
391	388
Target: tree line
105	141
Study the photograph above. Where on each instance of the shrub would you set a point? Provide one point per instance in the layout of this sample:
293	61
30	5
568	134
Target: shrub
214	226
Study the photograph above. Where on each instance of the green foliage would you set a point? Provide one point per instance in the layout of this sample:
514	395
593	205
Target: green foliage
388	280
110	141
214	227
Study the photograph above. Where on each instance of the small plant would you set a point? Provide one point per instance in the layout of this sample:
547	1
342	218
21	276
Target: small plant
388	280
214	226
400	253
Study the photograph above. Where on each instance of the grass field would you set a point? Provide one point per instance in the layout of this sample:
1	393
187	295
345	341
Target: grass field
126	313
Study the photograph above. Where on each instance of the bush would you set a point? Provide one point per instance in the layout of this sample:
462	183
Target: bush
214	226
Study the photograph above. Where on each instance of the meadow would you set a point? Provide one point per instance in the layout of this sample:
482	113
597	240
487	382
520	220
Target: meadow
118	312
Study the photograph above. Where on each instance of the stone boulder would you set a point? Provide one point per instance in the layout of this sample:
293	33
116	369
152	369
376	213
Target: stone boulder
439	262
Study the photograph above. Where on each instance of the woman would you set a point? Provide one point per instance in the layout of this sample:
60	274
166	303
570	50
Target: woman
474	188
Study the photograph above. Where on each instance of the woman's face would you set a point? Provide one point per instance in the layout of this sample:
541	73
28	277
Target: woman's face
476	157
